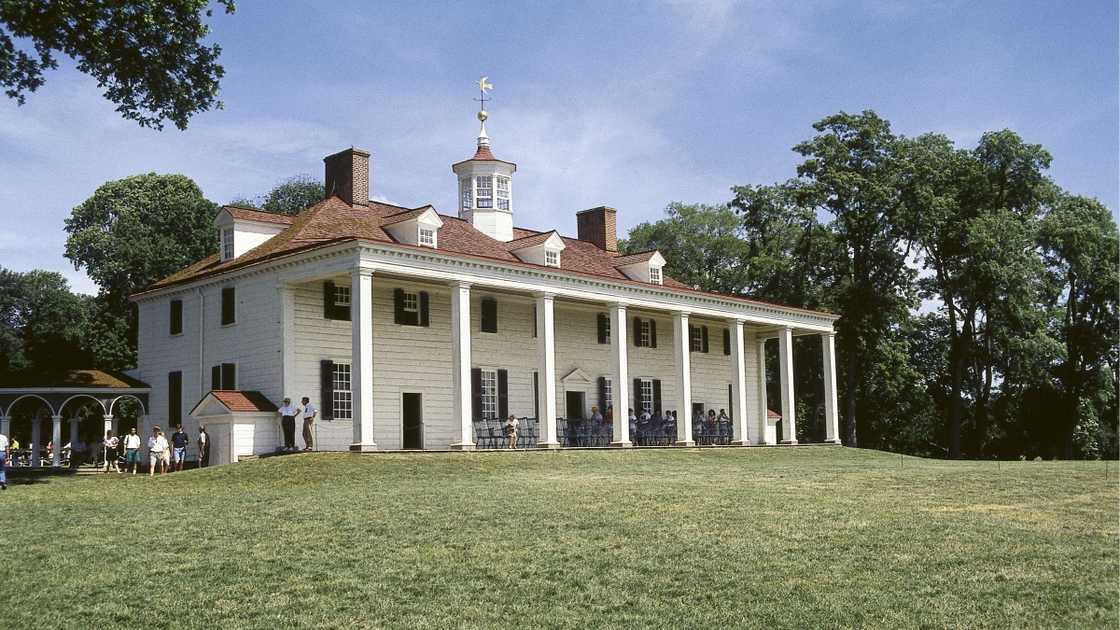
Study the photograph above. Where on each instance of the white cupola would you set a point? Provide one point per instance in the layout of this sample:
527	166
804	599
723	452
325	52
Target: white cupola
486	187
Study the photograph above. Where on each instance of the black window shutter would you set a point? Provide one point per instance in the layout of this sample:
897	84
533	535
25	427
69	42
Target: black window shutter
489	315
503	393
730	402
656	397
229	376
704	339
476	393
727	341
637	396
228	314
176	317
604	327
536	395
326	389
637	332
424	308
603	394
652	333
534	321
328	300
216	377
174	397
398	306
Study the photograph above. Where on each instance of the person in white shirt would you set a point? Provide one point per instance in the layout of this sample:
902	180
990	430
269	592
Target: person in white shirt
111	443
157	448
203	446
288	424
132	450
512	423
4	461
309	413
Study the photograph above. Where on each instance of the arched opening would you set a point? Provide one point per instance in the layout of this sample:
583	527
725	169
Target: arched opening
128	413
29	447
83	428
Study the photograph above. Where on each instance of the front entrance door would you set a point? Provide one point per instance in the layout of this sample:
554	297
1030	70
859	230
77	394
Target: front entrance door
574	407
413	421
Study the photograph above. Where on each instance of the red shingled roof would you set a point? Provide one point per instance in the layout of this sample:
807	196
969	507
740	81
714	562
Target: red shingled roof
236	400
249	214
621	261
773	414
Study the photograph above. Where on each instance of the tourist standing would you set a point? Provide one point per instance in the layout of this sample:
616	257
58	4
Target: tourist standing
157	448
309	413
112	443
511	431
179	441
203	446
288	424
3	462
132	450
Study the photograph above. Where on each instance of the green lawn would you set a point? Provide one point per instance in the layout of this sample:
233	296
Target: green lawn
780	537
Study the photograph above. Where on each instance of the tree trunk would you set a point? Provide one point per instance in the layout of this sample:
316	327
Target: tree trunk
852	383
956	403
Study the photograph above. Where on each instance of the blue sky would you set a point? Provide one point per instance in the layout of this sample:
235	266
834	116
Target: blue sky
632	105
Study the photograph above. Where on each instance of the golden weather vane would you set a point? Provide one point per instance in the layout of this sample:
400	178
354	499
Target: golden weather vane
484	87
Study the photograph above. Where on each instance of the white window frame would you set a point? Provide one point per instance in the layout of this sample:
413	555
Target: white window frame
646	393
695	339
551	258
502	191
608	393
645	333
226	237
484	192
342	394
488	394
466	193
410	302
426	236
655	274
342	295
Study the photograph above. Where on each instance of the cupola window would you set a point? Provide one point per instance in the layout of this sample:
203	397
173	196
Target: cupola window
465	192
503	192
484	190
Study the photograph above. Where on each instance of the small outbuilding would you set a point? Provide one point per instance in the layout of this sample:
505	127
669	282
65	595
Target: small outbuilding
239	423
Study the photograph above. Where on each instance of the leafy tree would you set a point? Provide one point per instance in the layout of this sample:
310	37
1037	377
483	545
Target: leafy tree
1080	244
130	233
148	56
41	323
702	246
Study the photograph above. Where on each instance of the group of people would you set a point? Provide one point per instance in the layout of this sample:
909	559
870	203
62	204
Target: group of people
288	414
163	455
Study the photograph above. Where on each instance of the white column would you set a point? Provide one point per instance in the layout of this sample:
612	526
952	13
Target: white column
36	430
56	439
620	377
763	418
288	343
831	422
461	365
739	411
5	426
110	424
683	380
785	367
546	371
361	358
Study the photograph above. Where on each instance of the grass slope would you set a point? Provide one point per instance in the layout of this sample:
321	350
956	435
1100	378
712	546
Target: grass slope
805	537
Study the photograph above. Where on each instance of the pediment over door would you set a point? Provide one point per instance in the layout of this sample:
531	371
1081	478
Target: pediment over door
576	376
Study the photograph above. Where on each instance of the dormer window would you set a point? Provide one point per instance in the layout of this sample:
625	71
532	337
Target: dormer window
551	258
503	192
227	243
655	274
427	237
484	191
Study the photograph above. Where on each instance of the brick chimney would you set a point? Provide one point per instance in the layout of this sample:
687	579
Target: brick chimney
598	225
347	175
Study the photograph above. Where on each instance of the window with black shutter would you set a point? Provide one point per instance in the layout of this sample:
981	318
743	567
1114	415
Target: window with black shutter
489	308
603	402
637	396
704	339
229	315
176	317
326	389
694	340
645	333
216	377
536	395
336	301
174	398
424	317
410	308
726	341
476	393
503	393
656	396
534	321
652	333
604	326
223	376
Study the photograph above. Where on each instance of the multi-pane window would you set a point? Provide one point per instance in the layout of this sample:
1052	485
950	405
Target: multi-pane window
427	237
465	194
695	339
646	396
655	275
484	191
227	243
503	192
551	258
644	333
489	394
341	296
411	302
342	398
608	393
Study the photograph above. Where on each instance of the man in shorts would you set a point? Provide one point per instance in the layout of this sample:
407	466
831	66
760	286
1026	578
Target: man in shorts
132	450
111	445
179	441
157	452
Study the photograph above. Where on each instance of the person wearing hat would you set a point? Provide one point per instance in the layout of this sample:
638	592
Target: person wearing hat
288	424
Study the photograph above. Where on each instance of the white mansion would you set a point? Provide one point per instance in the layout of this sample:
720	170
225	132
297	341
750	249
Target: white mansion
407	327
